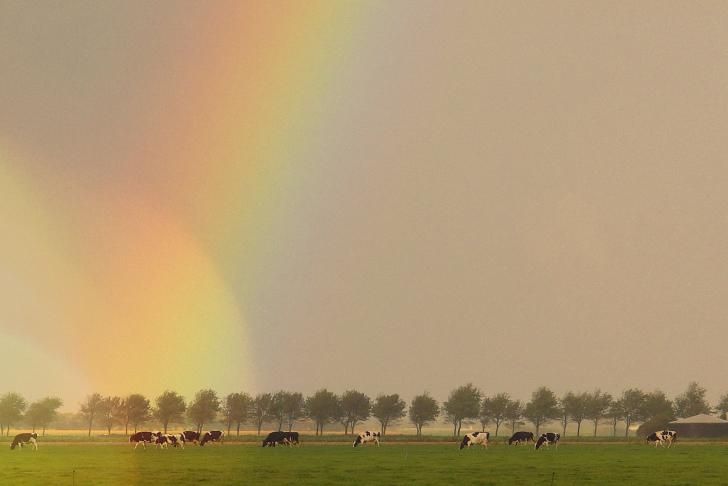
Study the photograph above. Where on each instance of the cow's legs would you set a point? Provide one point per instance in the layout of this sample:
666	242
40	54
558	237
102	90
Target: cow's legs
34	442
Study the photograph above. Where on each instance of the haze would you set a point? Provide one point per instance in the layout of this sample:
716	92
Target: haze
390	196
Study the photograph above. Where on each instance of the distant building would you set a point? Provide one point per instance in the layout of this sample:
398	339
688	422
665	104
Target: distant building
702	425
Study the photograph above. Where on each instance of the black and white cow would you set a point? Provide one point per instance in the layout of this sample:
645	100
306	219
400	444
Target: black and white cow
662	437
475	438
191	436
281	438
143	438
521	438
293	438
24	439
367	436
212	436
275	438
548	439
174	440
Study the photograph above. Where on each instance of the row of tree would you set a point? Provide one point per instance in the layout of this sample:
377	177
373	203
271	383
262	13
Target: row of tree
465	404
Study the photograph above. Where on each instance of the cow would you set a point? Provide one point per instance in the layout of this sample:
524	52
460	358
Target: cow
191	436
161	441
367	436
475	438
275	438
175	440
24	439
548	438
143	438
282	438
661	437
521	437
293	438
212	436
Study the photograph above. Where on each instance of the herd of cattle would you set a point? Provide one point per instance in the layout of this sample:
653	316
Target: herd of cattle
163	440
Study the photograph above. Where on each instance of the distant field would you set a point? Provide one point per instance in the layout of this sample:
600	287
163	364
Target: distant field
391	464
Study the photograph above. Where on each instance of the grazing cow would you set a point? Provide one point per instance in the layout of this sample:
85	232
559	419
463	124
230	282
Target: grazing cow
367	436
548	438
191	436
175	440
212	436
275	438
282	438
293	438
143	438
475	438
24	439
521	438
661	437
162	441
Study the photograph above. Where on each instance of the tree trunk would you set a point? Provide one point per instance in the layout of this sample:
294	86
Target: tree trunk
578	429
596	421
238	432
44	427
229	425
626	428
90	423
126	427
166	422
563	428
497	425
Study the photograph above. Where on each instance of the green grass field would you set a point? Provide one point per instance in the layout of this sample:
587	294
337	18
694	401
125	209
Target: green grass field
390	464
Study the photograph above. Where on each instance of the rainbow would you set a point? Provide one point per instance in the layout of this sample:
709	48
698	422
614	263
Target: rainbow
135	280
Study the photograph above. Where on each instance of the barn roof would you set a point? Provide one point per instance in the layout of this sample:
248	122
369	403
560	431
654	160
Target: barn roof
700	419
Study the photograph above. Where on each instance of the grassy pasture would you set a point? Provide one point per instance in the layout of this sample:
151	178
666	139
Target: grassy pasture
391	464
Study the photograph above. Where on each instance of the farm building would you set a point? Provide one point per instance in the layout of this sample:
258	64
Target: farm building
700	426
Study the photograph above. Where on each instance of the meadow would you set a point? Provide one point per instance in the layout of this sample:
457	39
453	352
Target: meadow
114	463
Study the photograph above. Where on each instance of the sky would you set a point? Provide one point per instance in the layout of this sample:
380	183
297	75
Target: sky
387	196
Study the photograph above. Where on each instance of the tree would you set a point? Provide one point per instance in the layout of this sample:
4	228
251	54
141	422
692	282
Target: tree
566	404
355	407
463	404
322	408
388	409
632	405
692	401
423	410
236	409
494	410
276	411
657	411
111	412
596	406
90	409
260	411
170	408
575	406
203	408
135	410
722	406
542	407
12	406
42	412
294	408
514	413
615	413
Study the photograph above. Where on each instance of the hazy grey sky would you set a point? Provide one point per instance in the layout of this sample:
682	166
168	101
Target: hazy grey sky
509	194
